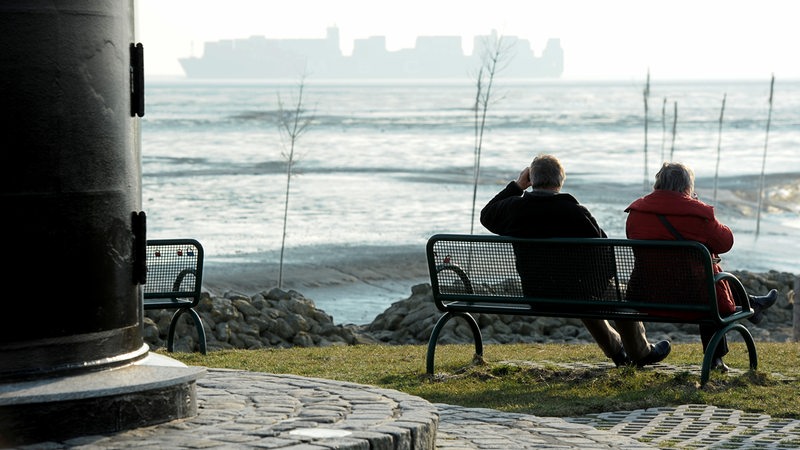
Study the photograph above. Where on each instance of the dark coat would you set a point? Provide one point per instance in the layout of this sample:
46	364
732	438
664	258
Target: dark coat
513	212
516	213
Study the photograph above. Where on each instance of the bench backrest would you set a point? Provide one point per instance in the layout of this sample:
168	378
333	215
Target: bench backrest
631	278
174	273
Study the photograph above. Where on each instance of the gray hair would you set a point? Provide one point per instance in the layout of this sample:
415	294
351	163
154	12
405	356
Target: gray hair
547	172
675	177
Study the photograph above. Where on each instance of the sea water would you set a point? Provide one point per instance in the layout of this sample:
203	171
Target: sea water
391	163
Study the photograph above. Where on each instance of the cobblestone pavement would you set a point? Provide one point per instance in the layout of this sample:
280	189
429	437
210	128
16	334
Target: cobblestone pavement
699	426
685	426
240	409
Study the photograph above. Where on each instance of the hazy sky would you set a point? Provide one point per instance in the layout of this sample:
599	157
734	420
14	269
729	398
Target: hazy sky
612	39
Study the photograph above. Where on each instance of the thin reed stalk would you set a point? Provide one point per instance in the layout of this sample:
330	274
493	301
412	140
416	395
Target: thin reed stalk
764	158
674	130
719	146
663	127
646	96
480	123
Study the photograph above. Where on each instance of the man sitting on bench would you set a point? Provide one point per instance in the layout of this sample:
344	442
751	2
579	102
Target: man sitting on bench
545	212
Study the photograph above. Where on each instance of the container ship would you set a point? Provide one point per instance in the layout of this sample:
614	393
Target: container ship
433	57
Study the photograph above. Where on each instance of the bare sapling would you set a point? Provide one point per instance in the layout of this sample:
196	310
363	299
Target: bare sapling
292	123
719	146
646	97
674	130
495	56
764	158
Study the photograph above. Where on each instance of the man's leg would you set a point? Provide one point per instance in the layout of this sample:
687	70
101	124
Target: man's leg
606	337
634	338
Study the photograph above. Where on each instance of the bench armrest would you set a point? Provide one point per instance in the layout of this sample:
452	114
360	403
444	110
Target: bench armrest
740	296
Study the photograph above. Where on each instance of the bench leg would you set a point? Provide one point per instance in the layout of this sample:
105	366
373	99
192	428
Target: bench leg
198	324
476	334
708	358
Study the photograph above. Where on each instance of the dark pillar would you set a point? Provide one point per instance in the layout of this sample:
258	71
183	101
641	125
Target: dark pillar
72	358
70	181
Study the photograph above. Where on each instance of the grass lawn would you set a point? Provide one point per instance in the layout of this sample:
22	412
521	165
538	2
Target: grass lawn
506	380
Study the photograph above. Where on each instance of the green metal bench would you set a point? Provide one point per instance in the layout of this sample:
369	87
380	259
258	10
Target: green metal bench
174	281
613	279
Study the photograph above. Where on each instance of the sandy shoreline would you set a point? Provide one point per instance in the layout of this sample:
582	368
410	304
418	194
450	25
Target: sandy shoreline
319	267
353	284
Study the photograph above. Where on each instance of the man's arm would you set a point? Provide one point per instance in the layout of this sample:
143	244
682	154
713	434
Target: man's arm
496	216
524	179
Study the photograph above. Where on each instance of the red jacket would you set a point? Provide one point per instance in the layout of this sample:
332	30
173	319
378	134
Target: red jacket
693	219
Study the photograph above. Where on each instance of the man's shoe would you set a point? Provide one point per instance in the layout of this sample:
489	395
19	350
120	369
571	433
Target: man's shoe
718	364
621	359
657	353
761	303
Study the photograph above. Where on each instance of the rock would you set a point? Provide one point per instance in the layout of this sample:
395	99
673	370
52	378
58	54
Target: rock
281	319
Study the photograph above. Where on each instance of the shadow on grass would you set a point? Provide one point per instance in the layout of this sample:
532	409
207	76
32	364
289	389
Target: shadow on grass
552	390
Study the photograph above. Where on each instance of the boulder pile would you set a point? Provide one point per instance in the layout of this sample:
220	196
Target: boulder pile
280	319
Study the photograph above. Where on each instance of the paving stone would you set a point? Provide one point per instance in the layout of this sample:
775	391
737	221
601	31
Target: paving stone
240	409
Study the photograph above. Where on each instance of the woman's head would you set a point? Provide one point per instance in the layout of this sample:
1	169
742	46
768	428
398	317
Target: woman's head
547	173
675	177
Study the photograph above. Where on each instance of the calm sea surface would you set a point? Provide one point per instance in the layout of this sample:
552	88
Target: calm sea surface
392	163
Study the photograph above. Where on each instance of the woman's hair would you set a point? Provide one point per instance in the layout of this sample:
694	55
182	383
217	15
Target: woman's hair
675	177
546	172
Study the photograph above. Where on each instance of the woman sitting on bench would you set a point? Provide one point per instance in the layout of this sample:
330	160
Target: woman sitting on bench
673	212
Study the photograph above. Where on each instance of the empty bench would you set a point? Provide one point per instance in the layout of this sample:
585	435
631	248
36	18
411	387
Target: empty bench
174	281
613	279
